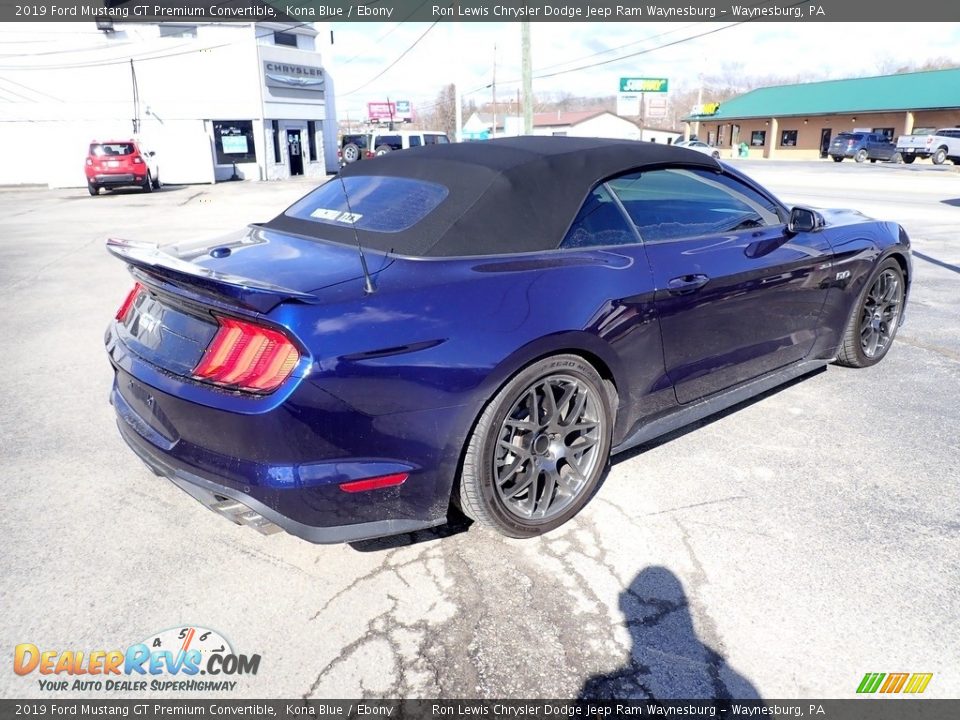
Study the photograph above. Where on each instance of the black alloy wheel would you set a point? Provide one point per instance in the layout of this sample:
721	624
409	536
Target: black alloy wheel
876	317
539	448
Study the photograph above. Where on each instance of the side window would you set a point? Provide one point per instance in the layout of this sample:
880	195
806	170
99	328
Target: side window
599	222
675	203
414	141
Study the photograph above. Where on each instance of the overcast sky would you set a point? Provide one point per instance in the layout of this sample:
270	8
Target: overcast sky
832	50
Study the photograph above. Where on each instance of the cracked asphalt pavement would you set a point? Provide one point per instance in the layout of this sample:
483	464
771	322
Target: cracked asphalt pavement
779	550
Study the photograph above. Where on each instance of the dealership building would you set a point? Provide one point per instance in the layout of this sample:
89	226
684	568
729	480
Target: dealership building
799	121
215	101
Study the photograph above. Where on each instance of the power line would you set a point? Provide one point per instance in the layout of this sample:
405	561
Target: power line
399	58
141	56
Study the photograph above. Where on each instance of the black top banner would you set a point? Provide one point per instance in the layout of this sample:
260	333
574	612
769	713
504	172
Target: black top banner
859	709
304	11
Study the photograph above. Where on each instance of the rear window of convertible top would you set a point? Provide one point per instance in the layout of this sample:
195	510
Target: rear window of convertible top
378	204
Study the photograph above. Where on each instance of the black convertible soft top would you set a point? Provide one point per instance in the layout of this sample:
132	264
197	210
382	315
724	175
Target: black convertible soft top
507	195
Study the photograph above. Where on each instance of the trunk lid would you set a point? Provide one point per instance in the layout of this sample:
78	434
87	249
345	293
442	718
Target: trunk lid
255	268
185	292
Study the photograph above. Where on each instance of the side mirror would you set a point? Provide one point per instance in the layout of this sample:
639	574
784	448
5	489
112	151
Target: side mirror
151	153
804	220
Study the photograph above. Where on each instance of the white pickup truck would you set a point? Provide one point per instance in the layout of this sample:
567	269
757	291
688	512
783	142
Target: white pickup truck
939	146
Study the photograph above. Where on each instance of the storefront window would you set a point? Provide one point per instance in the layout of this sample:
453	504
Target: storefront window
312	140
886	132
234	141
788	138
758	138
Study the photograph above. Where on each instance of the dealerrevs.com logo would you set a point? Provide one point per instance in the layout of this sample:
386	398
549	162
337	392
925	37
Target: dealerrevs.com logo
171	660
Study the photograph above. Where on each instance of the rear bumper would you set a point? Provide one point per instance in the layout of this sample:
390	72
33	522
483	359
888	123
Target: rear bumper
298	494
117	180
244	509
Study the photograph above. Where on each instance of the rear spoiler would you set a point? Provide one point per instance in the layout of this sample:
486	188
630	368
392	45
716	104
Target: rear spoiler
154	262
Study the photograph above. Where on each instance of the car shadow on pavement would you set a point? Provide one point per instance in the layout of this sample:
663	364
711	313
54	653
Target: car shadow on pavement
667	660
934	261
692	427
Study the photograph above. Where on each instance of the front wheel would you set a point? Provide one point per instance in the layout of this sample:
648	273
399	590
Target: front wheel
382	150
539	448
896	158
875	318
860	156
147	184
908	159
93	189
156	182
837	158
939	156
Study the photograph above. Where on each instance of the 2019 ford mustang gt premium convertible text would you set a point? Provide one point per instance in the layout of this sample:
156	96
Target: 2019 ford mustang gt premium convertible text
483	324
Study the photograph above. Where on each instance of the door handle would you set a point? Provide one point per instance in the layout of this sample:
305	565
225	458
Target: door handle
686	284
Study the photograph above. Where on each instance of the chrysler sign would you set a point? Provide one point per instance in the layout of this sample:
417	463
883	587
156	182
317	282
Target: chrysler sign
289	75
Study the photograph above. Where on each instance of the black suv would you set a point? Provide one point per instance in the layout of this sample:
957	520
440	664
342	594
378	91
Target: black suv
863	146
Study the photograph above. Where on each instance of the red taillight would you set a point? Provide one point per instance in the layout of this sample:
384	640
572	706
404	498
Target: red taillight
339	153
369	154
383	481
137	160
246	356
89	161
128	302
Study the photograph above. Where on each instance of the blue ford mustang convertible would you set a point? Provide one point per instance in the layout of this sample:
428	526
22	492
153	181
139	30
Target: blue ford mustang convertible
481	324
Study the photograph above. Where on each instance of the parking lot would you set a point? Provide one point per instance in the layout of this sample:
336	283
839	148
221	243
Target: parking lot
781	550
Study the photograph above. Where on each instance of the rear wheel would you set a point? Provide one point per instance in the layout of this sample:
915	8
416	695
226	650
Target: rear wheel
539	448
93	189
896	158
939	156
383	149
860	156
715	155
908	159
875	318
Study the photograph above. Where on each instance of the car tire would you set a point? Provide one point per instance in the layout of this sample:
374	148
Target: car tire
875	319
382	150
860	156
908	159
837	158
715	155
939	156
873	160
93	189
156	182
350	153
147	184
896	158
523	477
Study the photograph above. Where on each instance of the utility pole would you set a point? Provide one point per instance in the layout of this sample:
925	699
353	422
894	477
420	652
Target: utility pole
527	73
493	128
458	85
696	123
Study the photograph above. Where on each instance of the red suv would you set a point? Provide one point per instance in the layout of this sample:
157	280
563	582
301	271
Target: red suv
121	163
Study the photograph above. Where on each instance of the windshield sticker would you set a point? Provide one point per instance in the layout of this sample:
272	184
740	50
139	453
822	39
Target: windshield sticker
336	216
